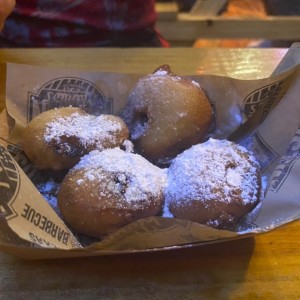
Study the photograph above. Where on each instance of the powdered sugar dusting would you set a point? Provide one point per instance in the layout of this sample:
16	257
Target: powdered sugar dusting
135	179
196	83
87	128
128	146
160	73
216	169
151	92
233	177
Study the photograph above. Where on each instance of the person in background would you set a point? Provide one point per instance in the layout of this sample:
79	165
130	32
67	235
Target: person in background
82	23
6	7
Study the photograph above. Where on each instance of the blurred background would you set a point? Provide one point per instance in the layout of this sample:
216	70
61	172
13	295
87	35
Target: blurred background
229	23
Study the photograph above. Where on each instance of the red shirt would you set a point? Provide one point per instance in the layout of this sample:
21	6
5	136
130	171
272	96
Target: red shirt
64	23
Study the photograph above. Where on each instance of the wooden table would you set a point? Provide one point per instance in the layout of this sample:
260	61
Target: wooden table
264	267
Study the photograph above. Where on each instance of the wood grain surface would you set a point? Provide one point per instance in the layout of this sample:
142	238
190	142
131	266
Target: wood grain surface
264	267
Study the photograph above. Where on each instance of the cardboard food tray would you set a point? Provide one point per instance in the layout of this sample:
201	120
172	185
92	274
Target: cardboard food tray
263	115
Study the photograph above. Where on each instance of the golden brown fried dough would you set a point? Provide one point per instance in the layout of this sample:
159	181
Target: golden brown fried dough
109	189
214	183
166	114
56	139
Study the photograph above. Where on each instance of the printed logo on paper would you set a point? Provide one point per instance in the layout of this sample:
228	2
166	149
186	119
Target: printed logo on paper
286	163
69	91
22	160
9	183
265	97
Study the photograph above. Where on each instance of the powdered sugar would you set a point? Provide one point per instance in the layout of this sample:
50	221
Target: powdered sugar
196	83
135	178
213	170
155	92
87	128
233	177
160	72
128	146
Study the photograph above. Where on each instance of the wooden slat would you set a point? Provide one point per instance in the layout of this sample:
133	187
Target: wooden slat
189	28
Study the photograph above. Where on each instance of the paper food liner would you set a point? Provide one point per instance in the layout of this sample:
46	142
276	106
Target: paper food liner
263	115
